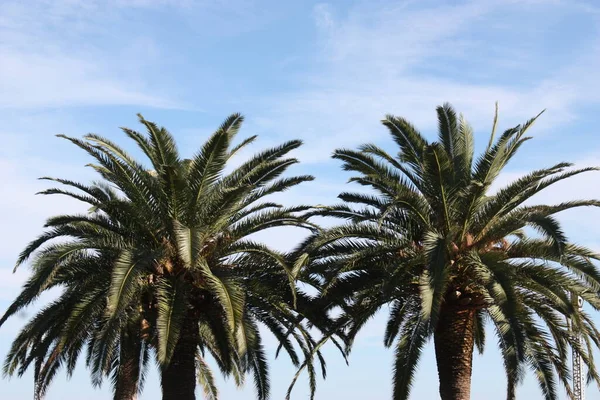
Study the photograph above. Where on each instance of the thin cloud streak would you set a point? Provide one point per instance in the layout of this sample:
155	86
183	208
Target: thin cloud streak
377	60
51	58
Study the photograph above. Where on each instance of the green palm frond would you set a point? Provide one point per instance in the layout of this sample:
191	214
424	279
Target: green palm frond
171	310
413	336
206	380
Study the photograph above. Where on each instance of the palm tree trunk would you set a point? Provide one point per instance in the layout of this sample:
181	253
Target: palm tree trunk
178	380
454	340
128	375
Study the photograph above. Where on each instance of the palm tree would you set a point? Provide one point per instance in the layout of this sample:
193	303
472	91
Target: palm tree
450	255
165	261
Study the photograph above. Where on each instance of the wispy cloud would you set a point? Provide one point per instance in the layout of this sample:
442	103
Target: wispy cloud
407	57
51	57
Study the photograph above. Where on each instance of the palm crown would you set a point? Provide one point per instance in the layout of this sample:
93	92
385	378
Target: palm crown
165	260
448	255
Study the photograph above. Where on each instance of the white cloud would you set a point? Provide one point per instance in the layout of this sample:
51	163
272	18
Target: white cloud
391	38
394	58
323	17
50	58
37	80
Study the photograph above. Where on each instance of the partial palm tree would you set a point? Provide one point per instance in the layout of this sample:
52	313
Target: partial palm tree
56	335
165	261
449	253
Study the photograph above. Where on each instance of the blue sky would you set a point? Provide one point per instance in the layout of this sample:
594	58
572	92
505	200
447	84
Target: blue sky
322	72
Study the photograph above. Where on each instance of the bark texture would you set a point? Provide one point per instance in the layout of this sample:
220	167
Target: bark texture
126	387
178	380
454	341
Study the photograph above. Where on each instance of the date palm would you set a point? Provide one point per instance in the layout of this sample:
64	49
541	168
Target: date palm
449	255
165	261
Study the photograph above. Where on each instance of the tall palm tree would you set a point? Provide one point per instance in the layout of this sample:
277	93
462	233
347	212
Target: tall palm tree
165	260
449	255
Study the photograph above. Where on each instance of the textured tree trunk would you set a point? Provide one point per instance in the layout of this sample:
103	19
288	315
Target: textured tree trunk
454	340
178	380
126	387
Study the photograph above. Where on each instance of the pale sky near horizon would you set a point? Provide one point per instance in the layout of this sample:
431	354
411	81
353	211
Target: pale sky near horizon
324	72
